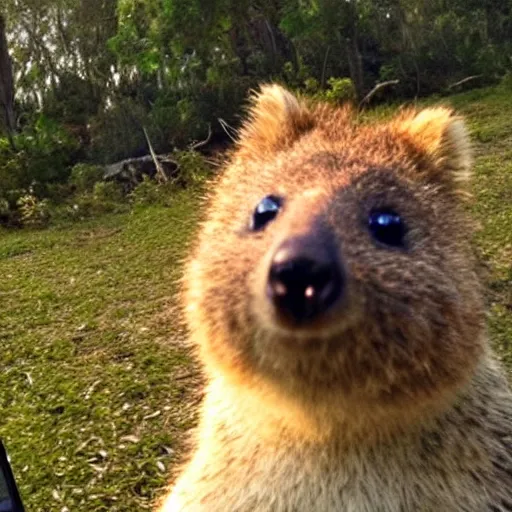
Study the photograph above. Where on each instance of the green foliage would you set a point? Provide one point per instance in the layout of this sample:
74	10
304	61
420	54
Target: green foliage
88	205
108	191
92	76
506	81
149	192
116	132
43	154
41	160
311	85
4	207
72	100
84	176
33	212
7	216
341	90
192	168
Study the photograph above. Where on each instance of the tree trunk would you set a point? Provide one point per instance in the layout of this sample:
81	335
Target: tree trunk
351	46
6	86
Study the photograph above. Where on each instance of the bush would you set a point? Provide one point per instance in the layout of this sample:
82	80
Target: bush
116	132
149	192
41	159
85	206
311	85
7	215
506	81
341	90
85	176
192	168
107	191
105	197
34	212
46	152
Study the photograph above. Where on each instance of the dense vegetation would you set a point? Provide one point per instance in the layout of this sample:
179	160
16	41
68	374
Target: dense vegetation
81	80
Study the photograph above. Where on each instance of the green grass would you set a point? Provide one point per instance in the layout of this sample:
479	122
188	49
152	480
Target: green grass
489	113
97	388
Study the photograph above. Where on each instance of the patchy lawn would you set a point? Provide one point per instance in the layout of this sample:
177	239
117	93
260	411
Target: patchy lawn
489	112
96	385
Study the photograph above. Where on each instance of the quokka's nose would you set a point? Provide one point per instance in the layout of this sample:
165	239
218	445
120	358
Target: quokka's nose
305	279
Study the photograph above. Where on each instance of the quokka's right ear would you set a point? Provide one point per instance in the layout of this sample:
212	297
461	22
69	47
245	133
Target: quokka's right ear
443	137
277	118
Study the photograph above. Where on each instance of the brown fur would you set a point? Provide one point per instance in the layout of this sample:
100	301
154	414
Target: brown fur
392	401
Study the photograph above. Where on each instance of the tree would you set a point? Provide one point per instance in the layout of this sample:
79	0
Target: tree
6	86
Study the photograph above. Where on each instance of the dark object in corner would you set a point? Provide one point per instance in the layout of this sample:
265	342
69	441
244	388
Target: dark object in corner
10	500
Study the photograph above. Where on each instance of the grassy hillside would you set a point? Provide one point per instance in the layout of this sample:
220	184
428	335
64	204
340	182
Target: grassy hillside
96	387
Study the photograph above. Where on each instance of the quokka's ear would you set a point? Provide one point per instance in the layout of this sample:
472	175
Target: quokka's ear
442	136
277	118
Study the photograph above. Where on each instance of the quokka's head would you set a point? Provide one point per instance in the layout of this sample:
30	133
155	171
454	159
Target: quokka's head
334	261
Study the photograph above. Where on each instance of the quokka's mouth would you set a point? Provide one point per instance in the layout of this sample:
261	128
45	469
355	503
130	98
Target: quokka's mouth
310	330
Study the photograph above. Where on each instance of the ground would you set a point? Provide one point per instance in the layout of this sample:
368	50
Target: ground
97	387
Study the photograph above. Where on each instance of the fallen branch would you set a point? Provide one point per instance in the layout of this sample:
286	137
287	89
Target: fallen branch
227	128
159	168
463	81
197	145
377	87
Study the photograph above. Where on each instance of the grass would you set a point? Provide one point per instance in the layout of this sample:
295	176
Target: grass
97	388
489	112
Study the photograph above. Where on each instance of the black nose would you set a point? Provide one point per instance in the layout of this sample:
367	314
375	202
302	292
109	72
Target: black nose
305	279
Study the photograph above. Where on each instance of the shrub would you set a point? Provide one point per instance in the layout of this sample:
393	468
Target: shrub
42	157
311	85
149	192
34	212
116	132
45	152
341	90
506	81
85	176
7	215
192	168
107	191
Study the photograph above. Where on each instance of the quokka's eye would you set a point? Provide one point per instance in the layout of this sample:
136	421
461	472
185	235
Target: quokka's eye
387	227
266	210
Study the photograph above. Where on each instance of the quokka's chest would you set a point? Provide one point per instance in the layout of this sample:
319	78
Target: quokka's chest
285	480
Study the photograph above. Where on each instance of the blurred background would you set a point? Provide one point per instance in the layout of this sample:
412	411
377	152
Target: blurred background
81	79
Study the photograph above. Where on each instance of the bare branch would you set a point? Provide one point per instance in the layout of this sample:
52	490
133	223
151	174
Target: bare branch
377	87
202	143
464	80
326	56
159	169
227	128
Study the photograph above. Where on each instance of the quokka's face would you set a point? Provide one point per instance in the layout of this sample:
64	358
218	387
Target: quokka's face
334	257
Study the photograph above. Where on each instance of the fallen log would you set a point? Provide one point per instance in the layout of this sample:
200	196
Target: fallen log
132	170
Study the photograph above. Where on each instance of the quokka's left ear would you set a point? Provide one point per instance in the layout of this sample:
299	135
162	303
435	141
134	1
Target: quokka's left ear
443	138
